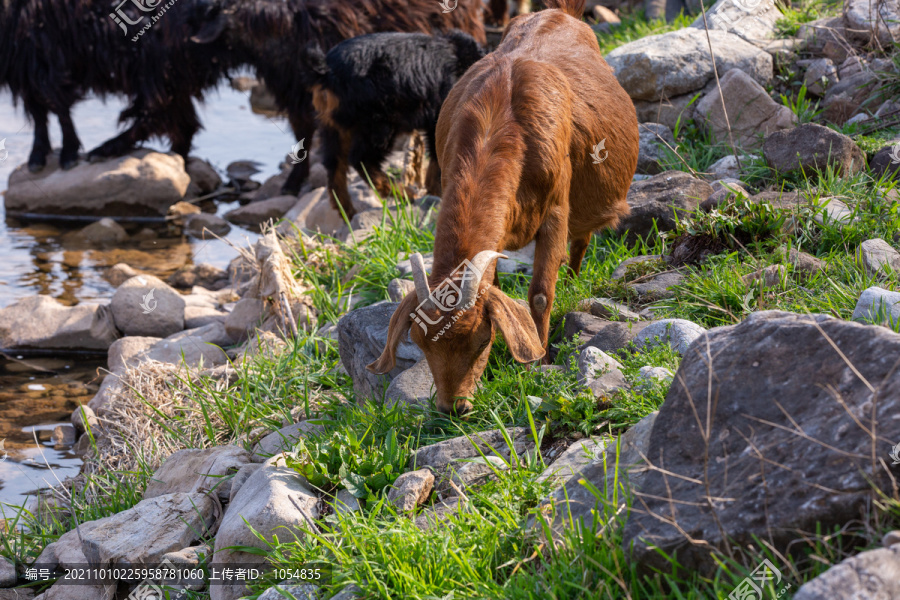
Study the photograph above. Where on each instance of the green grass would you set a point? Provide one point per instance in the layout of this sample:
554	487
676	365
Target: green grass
801	12
634	27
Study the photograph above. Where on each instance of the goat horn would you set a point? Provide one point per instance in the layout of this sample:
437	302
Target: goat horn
469	292
423	292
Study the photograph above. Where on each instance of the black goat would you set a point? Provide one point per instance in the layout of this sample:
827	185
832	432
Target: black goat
272	31
371	88
53	52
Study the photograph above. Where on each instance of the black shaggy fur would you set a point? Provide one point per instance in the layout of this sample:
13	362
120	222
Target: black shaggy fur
53	52
274	32
369	89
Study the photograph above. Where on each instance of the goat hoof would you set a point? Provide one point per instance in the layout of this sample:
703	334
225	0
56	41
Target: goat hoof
540	302
36	167
68	163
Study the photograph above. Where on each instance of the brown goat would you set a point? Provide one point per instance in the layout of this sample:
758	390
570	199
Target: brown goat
519	142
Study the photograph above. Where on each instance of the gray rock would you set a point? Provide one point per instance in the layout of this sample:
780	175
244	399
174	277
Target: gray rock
678	333
878	257
411	489
399	288
574	503
812	148
105	232
144	533
191	348
143	183
660	198
413	386
879	306
790	392
868	20
196	471
845	98
820	75
247	314
752	113
8	576
201	316
190	558
648	375
205	226
884	160
63	435
657	287
83	418
346	503
306	591
203	175
273	498
608	336
362	335
145	305
873	574
127	352
825	37
472	472
608	309
256	213
676	63
666	111
42	322
726	167
439	456
577	456
284	439
594	363
724	193
803	262
754	22
769	277
240	478
652	148
405	266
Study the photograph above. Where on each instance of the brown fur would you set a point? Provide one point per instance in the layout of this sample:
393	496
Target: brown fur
514	143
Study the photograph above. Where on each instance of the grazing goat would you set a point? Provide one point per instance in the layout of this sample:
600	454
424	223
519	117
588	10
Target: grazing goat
371	88
52	53
273	31
519	142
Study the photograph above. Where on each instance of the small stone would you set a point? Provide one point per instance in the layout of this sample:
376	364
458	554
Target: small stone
891	538
724	193
145	305
193	470
820	75
653	149
803	262
83	417
414	386
878	257
834	211
678	333
411	489
8	576
594	363
879	306
579	454
283	440
63	435
812	148
205	226
246	315
399	288
119	273
346	503
103	232
770	276
475	472
649	375
608	309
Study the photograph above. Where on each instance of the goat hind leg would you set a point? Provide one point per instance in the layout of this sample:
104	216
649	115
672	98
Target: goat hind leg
41	146
304	126
577	250
68	156
334	151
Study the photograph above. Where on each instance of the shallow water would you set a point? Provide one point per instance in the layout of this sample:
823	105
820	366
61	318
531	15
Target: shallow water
35	258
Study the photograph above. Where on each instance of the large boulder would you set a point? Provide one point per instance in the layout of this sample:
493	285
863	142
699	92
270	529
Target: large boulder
274	501
256	213
760	418
144	183
813	148
362	335
191	348
752	21
413	386
146	305
676	63
873	574
42	322
751	112
660	198
144	533
869	20
845	98
192	470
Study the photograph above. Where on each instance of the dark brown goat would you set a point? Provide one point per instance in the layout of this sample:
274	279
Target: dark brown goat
274	32
520	142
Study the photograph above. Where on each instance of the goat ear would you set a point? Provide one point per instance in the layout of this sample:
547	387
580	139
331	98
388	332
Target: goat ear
212	28
518	328
398	327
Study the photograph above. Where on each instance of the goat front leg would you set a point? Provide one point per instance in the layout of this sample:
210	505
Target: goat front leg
335	144
68	156
41	146
549	254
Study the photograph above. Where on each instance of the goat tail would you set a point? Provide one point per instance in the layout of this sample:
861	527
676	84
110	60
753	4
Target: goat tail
573	8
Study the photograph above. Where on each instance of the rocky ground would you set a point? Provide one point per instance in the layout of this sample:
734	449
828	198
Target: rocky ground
721	412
